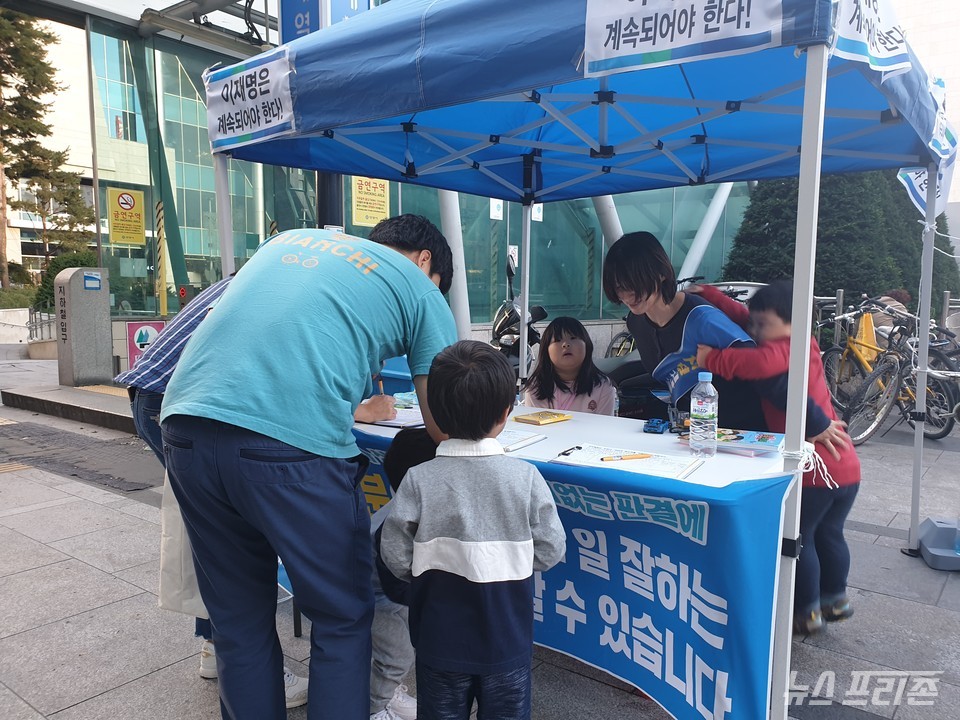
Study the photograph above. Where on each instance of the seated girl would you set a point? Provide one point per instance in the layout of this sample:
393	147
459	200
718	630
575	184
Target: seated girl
565	377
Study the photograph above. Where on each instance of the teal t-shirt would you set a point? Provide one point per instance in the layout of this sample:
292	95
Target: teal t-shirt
292	347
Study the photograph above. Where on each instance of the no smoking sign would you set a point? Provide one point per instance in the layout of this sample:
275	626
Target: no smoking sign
125	201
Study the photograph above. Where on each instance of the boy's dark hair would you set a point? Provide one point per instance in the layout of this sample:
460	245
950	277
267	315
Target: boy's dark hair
777	296
638	263
412	233
410	447
469	388
544	378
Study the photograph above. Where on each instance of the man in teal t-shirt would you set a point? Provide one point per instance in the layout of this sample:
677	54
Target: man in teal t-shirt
257	436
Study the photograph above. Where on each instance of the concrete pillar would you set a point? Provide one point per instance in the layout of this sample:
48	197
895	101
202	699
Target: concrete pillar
84	338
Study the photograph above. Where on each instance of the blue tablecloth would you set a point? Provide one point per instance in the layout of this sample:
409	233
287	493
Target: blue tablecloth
668	585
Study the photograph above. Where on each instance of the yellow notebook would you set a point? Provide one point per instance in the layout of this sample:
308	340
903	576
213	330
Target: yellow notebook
544	417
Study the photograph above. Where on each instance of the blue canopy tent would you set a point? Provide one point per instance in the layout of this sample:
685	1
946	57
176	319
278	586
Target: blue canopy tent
512	100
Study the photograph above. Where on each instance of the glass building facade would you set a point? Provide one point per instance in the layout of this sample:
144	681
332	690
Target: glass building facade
566	245
149	135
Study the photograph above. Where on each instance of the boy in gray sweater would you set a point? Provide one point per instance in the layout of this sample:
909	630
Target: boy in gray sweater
467	530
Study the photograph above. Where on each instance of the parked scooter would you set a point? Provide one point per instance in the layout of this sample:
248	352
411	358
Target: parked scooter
639	395
506	325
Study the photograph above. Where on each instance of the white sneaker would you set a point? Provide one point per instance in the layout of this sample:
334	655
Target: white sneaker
295	688
385	714
208	660
402	705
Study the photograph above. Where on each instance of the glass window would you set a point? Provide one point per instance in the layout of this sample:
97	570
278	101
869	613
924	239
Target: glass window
171	107
174	138
191	114
191	146
191	178
191	216
207	179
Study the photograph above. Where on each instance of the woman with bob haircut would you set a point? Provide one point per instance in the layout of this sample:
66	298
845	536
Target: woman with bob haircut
668	324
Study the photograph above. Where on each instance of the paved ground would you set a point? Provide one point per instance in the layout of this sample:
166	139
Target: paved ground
81	637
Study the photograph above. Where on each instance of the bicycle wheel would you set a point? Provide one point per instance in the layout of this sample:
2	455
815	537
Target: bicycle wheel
871	404
621	345
940	401
843	374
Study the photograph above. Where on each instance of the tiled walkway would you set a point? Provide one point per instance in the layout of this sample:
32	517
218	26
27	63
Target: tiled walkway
82	638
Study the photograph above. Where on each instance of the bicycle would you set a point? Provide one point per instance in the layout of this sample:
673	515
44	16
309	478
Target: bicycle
892	382
848	362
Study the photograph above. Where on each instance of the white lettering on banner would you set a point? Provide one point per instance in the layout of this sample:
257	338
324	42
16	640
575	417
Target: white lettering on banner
868	31
629	34
916	179
629	626
688	518
247	103
703	687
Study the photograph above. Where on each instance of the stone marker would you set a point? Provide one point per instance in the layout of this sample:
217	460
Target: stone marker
82	328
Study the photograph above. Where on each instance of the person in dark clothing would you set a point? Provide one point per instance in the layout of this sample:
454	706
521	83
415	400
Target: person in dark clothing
668	324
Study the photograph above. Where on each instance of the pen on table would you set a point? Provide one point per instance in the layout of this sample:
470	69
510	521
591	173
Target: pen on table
631	456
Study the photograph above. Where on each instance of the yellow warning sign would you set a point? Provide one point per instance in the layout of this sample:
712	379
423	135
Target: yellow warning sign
371	201
125	217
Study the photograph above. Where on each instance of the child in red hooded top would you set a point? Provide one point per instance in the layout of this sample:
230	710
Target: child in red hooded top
821	578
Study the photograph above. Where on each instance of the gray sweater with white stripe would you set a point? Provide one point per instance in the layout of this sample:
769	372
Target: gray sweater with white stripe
468	531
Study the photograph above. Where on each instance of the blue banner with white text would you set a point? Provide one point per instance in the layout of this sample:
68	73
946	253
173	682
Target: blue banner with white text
668	585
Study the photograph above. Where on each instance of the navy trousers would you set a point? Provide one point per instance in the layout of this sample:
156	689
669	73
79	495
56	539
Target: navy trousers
449	696
247	498
145	406
824	561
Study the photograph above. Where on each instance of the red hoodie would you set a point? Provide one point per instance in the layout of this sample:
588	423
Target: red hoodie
772	359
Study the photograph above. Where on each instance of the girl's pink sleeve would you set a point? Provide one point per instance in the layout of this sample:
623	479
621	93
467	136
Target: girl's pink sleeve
606	398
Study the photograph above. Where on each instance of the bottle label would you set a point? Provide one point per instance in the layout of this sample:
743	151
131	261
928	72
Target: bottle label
702	409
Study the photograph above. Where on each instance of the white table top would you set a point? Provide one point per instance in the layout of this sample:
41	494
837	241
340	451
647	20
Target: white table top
627	433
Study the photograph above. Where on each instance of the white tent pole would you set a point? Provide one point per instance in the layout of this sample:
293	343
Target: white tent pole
224	214
527	221
701	241
808	203
453	230
609	219
926	287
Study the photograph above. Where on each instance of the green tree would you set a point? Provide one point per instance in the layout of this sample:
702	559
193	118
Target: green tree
54	196
26	81
869	239
44	299
19	275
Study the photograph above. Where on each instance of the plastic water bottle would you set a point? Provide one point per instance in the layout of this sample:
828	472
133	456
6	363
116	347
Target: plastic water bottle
703	417
616	408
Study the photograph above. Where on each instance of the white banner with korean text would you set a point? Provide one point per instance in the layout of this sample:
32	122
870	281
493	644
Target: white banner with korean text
631	34
868	31
249	102
915	180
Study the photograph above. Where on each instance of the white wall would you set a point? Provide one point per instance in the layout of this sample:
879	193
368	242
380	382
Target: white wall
13	326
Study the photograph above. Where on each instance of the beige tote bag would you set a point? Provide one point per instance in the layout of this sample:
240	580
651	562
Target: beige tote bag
178	577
